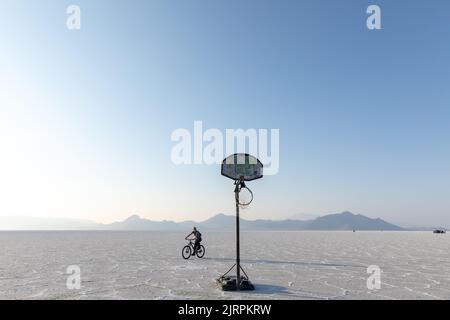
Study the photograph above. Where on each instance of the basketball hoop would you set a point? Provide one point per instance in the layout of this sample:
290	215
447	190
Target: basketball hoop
240	167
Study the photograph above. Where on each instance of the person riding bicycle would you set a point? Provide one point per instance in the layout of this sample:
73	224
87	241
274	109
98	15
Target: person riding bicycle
198	239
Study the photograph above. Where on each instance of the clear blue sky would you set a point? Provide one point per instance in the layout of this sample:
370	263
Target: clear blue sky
364	116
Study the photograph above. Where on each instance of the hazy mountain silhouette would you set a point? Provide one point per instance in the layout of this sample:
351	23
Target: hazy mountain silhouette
137	223
340	221
349	221
222	221
38	223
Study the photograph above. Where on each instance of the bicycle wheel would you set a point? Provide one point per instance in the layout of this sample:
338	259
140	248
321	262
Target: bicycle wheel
186	252
201	251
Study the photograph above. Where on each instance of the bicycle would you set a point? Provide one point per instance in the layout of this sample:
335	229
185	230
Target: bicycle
188	249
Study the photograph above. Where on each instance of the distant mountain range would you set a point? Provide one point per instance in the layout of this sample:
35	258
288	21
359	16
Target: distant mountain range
340	221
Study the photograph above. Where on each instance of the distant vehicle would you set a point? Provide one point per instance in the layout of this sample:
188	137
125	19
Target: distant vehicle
439	231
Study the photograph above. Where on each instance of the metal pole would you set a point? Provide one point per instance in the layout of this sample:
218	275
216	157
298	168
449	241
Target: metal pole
238	262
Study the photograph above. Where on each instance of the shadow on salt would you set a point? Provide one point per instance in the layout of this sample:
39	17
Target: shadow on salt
280	291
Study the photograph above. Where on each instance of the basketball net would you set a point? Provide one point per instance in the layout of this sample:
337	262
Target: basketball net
245	194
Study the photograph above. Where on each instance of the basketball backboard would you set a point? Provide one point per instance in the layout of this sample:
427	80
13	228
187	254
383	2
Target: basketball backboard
242	165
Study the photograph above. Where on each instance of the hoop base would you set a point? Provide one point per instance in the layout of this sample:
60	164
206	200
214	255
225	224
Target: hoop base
228	283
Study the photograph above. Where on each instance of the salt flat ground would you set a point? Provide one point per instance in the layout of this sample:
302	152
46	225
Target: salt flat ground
282	265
